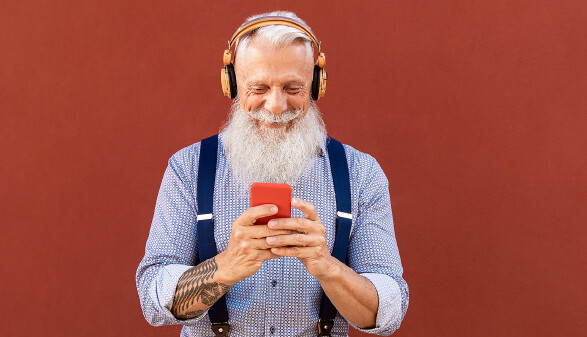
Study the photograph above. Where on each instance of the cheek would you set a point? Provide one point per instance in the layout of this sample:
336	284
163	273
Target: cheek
250	103
297	103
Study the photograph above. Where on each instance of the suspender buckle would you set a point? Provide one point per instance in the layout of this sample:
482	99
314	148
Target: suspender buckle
324	327
208	216
220	329
344	215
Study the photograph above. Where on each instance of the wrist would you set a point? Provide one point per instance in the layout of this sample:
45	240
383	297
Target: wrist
223	273
331	270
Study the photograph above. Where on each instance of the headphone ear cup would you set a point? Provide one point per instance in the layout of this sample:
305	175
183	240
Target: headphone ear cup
316	83
231	80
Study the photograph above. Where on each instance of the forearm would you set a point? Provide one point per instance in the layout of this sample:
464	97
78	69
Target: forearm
198	289
353	295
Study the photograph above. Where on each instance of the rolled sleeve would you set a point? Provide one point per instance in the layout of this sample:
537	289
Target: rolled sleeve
163	291
389	311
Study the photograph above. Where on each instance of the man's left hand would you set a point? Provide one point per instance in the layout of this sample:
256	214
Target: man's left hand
308	245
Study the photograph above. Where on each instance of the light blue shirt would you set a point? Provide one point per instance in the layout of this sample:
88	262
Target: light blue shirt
282	298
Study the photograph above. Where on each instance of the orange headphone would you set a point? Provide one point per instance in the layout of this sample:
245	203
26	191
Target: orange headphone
228	77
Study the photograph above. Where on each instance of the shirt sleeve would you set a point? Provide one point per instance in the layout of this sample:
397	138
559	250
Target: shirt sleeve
171	248
373	251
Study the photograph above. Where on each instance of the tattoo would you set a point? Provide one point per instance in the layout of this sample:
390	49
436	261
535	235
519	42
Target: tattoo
193	288
191	314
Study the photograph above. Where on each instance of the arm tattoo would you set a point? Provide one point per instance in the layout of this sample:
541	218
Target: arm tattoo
193	287
191	314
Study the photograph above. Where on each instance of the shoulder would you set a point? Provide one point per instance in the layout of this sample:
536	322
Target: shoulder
365	172
186	156
360	163
184	163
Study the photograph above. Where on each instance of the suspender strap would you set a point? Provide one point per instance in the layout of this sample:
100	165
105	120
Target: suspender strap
342	189
205	226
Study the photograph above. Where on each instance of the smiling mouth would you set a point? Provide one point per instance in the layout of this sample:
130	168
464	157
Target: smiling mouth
273	125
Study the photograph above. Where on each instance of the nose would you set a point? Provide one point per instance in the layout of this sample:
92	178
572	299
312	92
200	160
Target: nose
276	101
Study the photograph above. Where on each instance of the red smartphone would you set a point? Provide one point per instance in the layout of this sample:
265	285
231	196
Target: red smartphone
268	193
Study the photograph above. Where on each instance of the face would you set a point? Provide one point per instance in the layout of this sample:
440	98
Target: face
274	79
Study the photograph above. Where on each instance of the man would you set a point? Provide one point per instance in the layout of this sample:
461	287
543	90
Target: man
273	275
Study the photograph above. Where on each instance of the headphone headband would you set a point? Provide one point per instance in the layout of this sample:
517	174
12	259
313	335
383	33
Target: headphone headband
273	20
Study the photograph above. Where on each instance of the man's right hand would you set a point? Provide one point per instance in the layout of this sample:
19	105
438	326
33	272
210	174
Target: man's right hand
247	248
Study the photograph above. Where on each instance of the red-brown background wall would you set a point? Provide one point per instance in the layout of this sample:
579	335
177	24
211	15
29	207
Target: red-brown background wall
476	111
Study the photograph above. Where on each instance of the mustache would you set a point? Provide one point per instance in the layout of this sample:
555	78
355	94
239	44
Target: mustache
267	117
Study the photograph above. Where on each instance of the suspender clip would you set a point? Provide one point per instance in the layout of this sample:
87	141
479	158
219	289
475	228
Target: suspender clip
220	329
344	215
324	327
208	216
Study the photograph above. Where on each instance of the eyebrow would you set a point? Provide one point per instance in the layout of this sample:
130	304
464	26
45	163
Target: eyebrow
295	82
288	83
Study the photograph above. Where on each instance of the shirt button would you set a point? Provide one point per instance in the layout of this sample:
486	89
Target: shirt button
272	330
273	283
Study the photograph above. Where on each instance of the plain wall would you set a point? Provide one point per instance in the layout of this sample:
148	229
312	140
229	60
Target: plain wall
476	110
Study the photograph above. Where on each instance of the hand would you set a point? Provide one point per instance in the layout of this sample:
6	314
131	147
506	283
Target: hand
247	248
307	242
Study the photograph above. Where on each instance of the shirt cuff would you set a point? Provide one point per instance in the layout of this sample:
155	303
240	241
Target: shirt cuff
166	284
389	311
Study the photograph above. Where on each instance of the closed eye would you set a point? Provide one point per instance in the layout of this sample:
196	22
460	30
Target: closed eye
258	90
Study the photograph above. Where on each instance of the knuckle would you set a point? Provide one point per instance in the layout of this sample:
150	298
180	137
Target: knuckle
302	223
244	244
299	239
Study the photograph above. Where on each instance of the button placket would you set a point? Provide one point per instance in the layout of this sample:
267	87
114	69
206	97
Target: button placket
272	313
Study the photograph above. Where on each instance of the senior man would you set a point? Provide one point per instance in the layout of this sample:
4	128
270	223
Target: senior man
271	279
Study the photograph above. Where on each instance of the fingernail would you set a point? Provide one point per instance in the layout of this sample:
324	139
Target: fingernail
274	209
272	223
294	201
270	239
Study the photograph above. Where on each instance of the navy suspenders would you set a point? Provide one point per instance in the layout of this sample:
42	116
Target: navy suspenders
218	313
205	226
342	190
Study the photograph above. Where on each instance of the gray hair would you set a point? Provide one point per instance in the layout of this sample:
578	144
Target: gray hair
275	35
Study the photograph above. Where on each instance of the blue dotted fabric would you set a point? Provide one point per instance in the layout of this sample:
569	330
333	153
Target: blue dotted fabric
282	298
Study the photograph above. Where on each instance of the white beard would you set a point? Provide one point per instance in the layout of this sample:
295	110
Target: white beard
272	155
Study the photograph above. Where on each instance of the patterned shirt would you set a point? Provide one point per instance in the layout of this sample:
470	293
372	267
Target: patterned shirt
282	298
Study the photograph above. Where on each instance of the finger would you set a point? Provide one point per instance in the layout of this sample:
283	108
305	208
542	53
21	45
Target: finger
299	240
258	244
301	225
249	216
267	254
263	231
306	207
300	252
